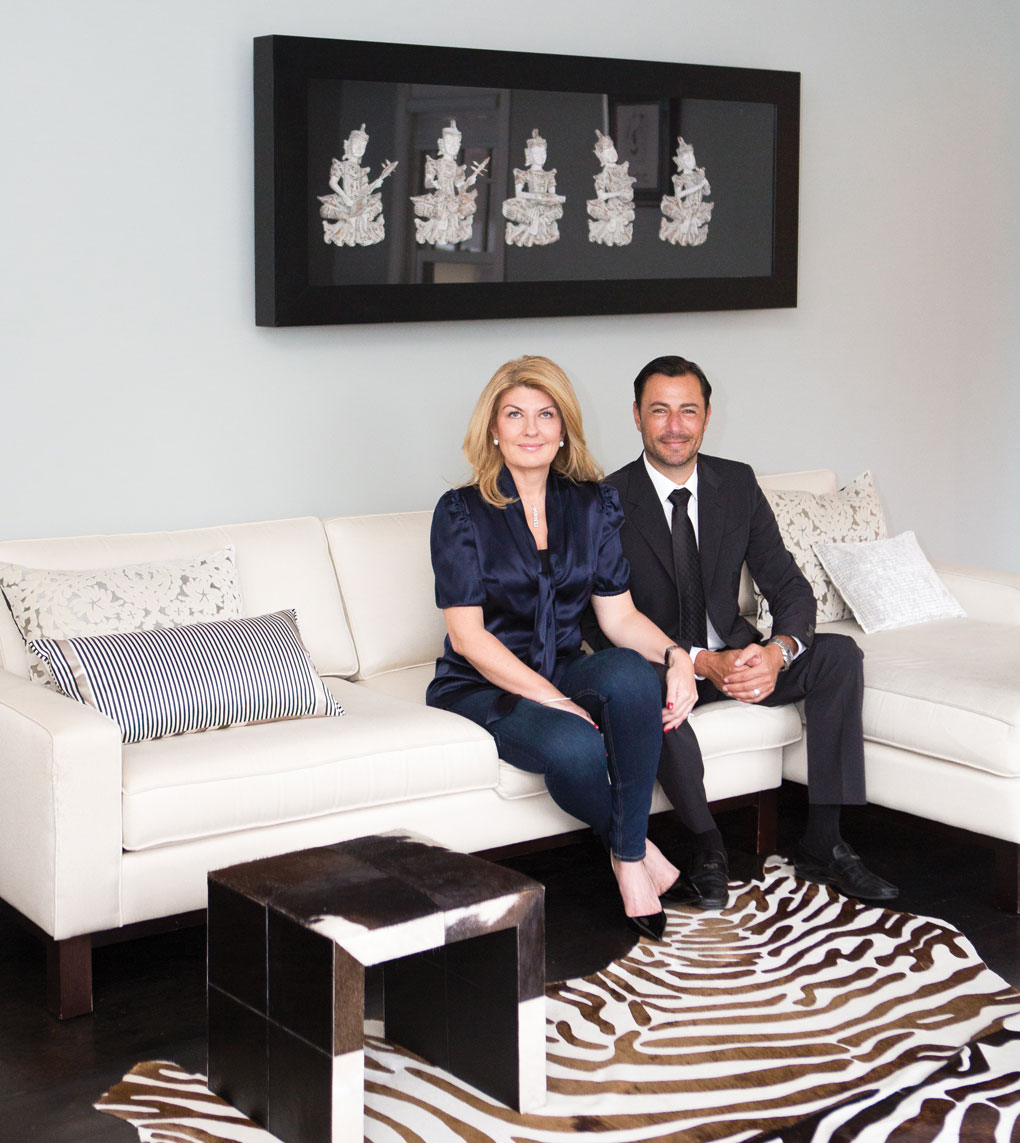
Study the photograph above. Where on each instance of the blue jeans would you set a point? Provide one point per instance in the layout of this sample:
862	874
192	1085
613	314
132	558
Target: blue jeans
605	777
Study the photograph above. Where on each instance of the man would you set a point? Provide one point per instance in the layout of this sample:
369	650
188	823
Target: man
686	549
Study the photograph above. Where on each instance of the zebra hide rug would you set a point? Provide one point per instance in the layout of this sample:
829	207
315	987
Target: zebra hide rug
794	1014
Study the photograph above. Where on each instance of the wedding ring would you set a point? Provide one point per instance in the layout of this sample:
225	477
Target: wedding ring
757	693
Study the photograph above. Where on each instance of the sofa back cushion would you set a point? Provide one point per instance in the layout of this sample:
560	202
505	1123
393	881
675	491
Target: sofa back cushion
820	481
384	567
280	564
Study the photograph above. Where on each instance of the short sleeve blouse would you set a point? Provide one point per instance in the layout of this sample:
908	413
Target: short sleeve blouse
486	557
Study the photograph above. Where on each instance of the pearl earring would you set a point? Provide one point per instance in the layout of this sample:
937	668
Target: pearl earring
562	443
495	440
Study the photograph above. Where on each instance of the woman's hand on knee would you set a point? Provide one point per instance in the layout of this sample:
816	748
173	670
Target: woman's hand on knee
573	708
681	692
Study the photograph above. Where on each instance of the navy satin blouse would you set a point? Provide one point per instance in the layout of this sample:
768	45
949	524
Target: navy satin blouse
486	557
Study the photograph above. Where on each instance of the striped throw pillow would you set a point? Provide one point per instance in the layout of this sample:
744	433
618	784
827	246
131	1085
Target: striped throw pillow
173	680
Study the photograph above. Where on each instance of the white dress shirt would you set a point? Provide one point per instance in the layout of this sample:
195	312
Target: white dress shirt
663	487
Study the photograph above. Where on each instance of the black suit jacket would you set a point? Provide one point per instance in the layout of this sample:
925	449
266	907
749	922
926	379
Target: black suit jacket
735	525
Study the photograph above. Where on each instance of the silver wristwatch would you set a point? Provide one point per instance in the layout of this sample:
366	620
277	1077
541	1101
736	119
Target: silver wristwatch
787	653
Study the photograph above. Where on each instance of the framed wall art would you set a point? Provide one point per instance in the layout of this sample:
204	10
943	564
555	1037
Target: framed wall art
405	183
641	132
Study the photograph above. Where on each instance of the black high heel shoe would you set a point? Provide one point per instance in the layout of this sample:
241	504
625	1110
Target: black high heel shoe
651	925
683	891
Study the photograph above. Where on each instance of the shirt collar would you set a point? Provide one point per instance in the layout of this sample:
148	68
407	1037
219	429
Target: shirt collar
664	486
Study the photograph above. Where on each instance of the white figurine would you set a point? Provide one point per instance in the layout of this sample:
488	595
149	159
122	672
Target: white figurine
446	216
352	214
533	213
613	209
686	215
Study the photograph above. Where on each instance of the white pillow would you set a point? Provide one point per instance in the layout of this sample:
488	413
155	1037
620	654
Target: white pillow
49	603
853	514
888	583
172	680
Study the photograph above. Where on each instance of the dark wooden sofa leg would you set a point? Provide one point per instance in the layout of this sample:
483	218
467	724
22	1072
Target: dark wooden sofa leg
69	976
766	823
1007	876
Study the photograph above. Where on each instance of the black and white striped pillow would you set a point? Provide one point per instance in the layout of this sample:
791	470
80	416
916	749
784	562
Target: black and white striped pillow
195	677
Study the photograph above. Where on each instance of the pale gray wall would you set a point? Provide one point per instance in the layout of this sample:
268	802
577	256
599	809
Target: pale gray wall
138	393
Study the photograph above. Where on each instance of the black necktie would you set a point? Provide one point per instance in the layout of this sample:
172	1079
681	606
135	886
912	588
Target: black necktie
687	566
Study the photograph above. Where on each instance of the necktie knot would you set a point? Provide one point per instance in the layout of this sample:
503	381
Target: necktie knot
679	497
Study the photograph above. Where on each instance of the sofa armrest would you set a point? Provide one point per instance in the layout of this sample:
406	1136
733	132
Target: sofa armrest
991	596
60	811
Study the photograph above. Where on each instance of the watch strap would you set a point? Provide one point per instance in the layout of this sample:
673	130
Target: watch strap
787	654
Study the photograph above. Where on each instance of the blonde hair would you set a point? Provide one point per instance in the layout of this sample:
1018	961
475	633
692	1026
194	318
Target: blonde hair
573	460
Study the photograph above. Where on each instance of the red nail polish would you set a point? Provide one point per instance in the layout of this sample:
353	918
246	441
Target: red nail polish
669	706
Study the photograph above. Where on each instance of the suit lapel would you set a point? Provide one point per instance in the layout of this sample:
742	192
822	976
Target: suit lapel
647	516
711	518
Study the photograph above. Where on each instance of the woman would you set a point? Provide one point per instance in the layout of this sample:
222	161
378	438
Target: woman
518	554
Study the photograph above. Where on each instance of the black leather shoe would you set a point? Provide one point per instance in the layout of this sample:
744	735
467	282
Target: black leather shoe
683	891
651	925
710	876
844	871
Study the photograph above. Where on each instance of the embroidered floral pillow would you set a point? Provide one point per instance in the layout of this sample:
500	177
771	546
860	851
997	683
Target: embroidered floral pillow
851	515
51	603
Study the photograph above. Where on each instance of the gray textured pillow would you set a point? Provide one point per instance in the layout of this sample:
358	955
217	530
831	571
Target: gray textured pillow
852	514
60	603
888	583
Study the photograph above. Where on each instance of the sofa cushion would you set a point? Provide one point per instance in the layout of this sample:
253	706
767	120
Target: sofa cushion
888	583
383	751
62	603
409	683
946	689
723	728
174	680
852	514
280	563
384	567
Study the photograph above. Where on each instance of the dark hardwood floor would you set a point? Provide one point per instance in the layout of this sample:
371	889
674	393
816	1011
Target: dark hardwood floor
150	1000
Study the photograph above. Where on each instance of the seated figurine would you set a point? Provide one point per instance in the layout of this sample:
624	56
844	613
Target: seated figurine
533	213
686	214
612	210
353	214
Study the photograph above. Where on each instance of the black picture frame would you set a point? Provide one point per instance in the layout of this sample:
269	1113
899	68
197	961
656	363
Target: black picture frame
291	74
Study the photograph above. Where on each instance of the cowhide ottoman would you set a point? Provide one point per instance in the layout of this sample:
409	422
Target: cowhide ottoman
461	945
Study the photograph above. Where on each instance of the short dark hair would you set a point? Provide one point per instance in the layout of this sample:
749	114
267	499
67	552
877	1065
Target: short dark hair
671	366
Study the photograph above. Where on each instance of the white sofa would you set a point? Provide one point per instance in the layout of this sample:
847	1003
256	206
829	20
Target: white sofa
942	709
99	839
